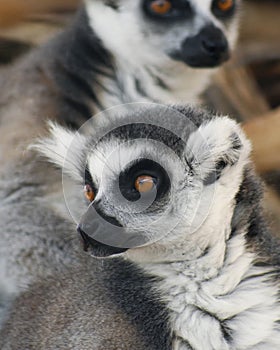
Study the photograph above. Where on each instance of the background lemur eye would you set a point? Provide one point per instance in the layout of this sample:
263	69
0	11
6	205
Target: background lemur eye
161	7
223	7
89	193
144	183
168	9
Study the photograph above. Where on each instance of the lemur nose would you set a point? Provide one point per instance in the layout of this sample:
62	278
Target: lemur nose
214	47
213	40
208	48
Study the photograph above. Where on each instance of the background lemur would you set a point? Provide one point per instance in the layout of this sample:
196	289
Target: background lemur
114	52
209	286
121	51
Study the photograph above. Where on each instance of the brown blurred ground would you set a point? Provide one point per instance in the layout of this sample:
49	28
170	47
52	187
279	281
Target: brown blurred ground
247	88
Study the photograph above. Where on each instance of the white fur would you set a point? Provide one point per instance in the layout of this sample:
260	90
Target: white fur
198	289
63	148
213	140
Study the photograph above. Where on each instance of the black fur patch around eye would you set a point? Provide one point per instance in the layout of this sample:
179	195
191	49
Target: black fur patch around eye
88	178
143	167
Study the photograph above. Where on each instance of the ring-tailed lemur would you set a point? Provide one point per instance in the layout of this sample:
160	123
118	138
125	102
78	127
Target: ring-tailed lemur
115	51
192	264
124	51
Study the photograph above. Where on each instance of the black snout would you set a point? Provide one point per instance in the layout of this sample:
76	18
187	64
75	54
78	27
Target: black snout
104	236
209	48
96	248
213	42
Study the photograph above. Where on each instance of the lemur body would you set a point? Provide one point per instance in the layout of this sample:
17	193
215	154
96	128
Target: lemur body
209	286
115	52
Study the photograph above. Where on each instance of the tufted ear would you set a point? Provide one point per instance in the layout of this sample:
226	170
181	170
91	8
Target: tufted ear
64	148
216	145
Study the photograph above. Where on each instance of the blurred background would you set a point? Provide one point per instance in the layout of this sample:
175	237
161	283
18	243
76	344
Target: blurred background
247	88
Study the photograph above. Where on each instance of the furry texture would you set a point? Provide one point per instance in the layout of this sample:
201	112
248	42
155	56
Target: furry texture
67	80
119	317
210	281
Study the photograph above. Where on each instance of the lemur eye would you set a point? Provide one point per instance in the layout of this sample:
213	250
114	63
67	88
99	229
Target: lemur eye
89	193
225	5
223	8
160	7
144	183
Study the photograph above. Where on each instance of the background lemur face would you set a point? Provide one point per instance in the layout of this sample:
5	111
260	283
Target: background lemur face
151	186
199	33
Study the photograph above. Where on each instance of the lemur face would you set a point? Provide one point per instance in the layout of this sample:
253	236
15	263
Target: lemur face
153	190
199	33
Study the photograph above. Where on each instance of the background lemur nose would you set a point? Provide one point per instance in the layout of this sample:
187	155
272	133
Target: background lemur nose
208	48
213	40
214	47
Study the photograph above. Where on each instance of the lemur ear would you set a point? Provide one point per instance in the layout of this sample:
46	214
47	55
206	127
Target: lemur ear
64	148
216	145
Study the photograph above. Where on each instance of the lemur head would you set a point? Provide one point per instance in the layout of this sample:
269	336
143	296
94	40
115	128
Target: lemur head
199	33
162	189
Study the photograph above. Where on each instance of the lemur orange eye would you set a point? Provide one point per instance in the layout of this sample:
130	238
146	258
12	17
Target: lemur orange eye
89	193
144	183
225	5
161	7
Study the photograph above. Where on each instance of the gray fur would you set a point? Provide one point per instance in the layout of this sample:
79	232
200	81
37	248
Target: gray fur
67	80
95	321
